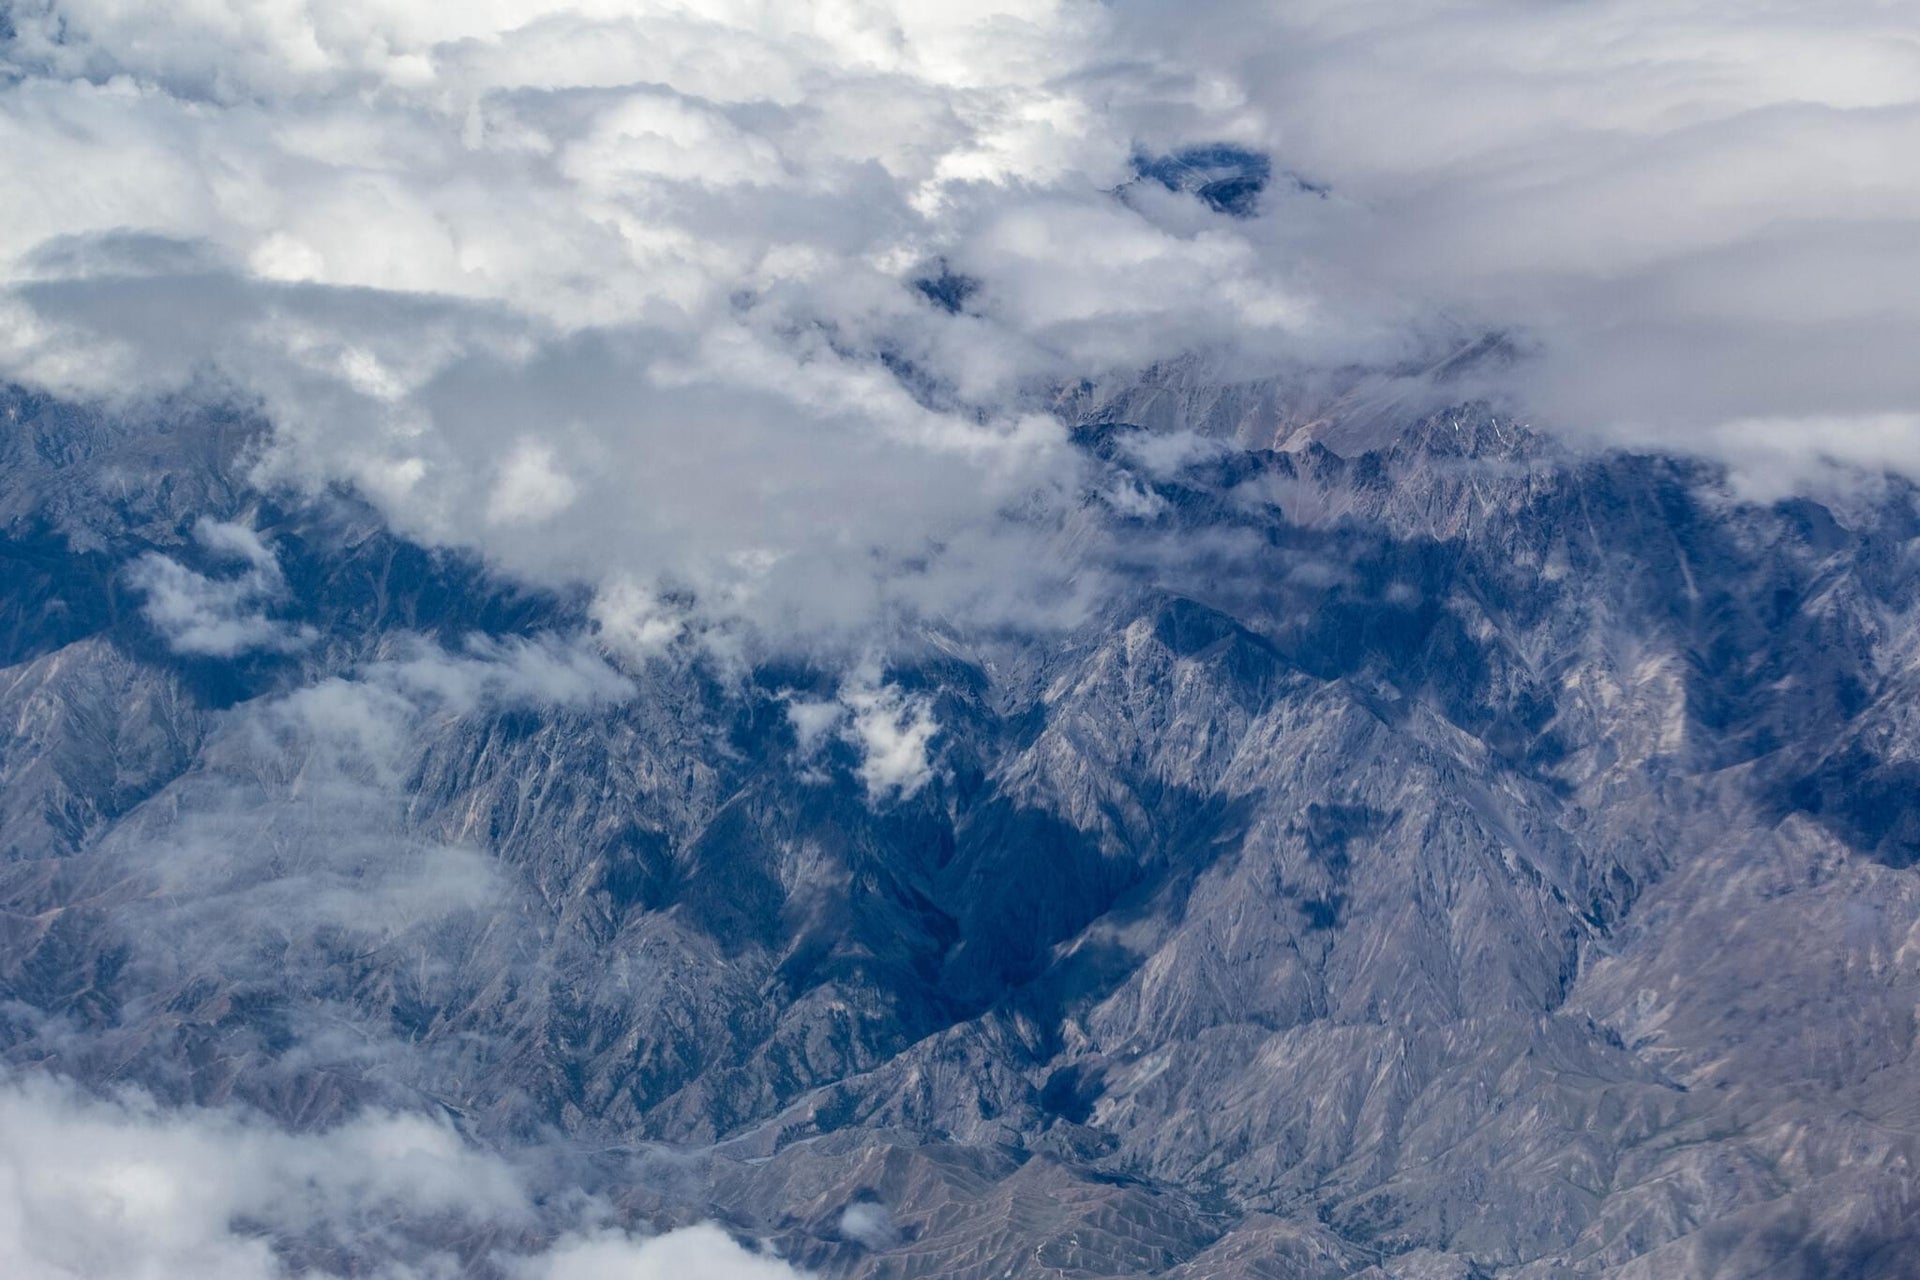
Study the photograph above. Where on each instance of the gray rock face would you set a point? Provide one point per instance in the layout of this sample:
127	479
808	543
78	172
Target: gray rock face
1443	857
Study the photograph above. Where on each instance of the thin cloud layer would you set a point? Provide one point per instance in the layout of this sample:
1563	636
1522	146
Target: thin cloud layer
289	865
748	315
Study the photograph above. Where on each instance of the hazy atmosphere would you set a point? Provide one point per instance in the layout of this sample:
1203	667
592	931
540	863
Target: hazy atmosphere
864	639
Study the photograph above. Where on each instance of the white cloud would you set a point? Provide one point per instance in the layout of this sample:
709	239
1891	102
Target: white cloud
604	290
530	487
869	1223
705	1252
217	617
812	720
546	673
631	620
892	729
1698	217
686	233
236	542
121	1188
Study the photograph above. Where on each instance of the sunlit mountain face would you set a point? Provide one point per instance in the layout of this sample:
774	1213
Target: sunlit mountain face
959	640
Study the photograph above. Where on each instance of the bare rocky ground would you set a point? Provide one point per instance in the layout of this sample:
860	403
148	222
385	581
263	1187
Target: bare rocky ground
1442	856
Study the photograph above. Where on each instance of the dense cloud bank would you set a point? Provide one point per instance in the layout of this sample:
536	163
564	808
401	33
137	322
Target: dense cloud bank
748	314
1698	219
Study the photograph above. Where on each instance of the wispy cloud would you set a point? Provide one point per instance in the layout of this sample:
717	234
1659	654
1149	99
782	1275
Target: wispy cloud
218	616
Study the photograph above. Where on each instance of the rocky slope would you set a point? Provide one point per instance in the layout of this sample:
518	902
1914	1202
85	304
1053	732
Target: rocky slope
1442	855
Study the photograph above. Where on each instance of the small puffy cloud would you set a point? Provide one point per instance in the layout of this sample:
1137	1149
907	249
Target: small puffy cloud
892	730
236	542
633	621
812	721
869	1223
217	617
121	1188
704	1251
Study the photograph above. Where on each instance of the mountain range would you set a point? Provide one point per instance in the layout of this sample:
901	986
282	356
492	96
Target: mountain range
1438	852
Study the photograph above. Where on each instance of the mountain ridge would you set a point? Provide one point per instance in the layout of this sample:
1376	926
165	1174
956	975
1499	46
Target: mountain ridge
1464	857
